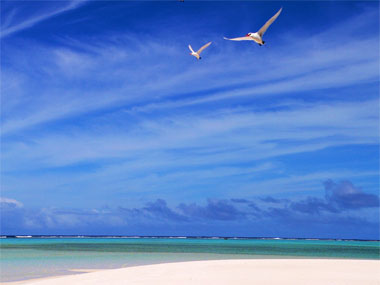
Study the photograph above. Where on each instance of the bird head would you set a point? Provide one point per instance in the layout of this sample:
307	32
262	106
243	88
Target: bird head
248	35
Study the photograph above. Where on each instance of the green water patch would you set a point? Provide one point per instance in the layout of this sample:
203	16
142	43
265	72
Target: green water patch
280	248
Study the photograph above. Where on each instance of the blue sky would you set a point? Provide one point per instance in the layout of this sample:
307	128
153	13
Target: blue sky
109	126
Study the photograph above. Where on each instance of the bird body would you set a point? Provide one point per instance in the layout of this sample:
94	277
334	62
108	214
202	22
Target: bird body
197	54
258	36
249	37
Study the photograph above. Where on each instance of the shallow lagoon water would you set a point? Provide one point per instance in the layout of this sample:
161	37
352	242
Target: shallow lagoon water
26	258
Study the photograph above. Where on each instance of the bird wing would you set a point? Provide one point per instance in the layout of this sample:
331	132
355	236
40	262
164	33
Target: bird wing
268	23
239	39
202	48
191	49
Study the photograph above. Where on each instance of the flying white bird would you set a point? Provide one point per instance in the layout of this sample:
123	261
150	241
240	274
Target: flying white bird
258	36
198	53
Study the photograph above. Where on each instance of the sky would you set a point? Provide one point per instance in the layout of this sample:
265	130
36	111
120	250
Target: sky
110	127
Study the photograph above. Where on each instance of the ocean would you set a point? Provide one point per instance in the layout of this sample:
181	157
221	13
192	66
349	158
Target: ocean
27	258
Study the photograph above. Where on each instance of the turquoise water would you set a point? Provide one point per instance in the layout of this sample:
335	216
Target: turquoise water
41	257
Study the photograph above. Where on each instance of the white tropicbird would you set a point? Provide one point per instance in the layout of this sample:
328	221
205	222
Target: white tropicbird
198	53
258	36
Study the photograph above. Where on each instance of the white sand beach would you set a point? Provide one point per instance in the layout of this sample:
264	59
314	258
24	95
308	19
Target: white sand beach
245	271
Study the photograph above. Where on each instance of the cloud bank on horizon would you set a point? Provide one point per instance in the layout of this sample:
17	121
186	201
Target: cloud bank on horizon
108	125
262	217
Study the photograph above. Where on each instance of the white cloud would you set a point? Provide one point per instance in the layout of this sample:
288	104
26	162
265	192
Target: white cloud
10	203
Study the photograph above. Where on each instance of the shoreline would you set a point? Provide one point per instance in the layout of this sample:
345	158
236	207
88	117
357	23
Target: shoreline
179	237
233	271
74	272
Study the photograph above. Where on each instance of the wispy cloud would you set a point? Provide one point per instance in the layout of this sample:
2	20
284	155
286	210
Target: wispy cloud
329	65
27	15
243	136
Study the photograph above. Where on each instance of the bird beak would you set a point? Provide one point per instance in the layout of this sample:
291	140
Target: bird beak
247	35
